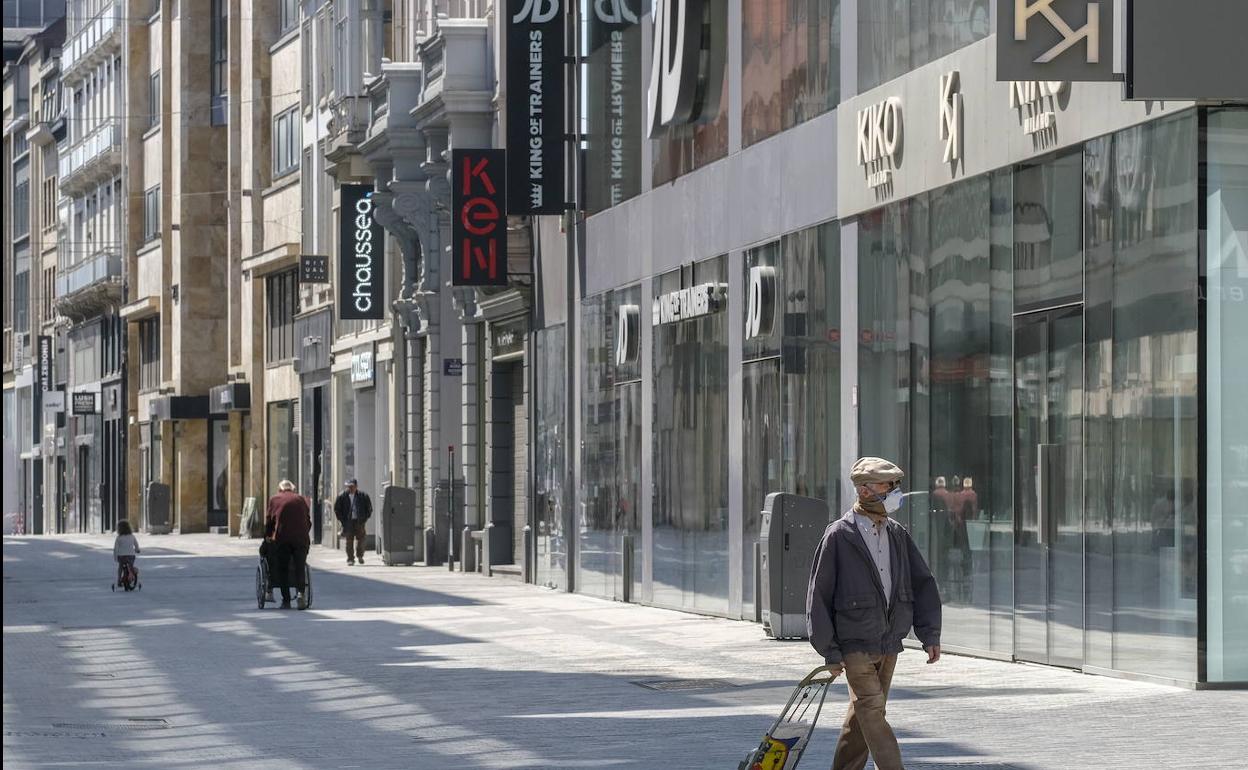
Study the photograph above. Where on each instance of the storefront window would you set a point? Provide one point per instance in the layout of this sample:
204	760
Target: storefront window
550	459
611	457
283	451
896	36
790	378
790	64
690	508
687	147
1226	313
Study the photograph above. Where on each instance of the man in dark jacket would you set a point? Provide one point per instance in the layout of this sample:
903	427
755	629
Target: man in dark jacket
287	524
352	509
868	586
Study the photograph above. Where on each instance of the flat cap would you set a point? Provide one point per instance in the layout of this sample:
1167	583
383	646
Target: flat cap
874	470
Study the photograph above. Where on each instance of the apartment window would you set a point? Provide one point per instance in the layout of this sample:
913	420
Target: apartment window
282	304
112	331
21	296
50	97
220	52
49	292
21	145
287	15
149	354
151	214
153	100
21	209
286	141
47	209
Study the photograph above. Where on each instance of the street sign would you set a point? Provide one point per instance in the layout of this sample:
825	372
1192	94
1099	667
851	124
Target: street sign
452	367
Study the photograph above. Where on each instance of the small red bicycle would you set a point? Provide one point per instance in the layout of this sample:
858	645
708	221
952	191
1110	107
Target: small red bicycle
127	577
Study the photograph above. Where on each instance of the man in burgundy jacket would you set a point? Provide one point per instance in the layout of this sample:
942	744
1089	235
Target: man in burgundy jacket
287	524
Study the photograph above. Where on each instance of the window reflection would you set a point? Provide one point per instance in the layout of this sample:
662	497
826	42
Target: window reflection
549	461
896	36
690	508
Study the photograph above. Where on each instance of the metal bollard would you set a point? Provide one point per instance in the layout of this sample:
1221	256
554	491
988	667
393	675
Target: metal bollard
431	547
487	567
626	567
758	582
527	567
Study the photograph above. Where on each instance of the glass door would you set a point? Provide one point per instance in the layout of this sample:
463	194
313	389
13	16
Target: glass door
760	462
1048	451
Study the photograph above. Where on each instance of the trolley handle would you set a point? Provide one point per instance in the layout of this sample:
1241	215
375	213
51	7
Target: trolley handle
828	671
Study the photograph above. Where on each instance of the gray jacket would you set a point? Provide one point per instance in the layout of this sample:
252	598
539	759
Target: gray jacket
845	606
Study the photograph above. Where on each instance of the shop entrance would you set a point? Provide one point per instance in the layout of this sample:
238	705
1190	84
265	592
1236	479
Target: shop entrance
1048	456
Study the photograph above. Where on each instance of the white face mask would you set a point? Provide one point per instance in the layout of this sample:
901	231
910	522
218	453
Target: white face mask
892	501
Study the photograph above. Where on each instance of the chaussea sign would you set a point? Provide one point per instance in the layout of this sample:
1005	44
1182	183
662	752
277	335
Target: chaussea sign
535	106
361	257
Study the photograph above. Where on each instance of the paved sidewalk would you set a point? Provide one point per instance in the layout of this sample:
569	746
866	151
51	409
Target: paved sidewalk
421	668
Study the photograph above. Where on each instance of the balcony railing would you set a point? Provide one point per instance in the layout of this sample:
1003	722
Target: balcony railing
100	144
105	27
104	266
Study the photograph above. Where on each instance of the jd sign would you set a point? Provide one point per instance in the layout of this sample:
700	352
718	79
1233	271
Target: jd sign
1054	40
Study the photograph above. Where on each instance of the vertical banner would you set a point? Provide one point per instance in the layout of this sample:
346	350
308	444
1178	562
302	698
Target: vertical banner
479	211
535	106
361	257
45	384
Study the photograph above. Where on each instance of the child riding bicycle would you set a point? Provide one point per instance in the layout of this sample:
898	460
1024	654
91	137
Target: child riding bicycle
125	549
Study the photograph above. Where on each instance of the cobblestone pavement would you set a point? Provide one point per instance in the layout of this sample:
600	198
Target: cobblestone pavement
421	668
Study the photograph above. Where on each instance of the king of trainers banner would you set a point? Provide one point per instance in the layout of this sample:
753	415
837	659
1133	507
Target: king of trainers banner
535	106
361	257
479	225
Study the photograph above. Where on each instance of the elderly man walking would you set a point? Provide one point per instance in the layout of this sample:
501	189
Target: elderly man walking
868	586
352	509
288	525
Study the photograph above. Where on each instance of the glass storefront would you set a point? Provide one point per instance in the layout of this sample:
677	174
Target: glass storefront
790	377
897	36
1225	241
1028	352
790	64
609	508
690	504
550	458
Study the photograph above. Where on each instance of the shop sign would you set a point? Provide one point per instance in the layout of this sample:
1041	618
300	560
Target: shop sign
686	74
1048	39
951	116
535	106
452	367
313	268
361	272
84	402
479	221
760	314
1036	103
363	368
54	401
687	304
45	363
507	339
879	140
627	335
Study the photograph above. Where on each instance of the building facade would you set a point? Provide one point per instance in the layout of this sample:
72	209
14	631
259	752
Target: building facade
1019	291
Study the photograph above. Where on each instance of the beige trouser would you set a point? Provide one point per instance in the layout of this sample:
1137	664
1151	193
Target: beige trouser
865	729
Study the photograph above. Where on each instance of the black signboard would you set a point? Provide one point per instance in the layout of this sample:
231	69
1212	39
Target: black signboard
479	222
313	268
85	403
535	106
361	261
507	338
452	367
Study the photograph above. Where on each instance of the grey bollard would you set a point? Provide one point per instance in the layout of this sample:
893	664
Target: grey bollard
527	567
626	568
431	547
467	551
488	568
758	582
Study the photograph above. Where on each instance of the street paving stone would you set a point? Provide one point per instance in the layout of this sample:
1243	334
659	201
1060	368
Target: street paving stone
414	667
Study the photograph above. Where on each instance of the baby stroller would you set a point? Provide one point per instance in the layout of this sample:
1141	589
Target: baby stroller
127	576
264	585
